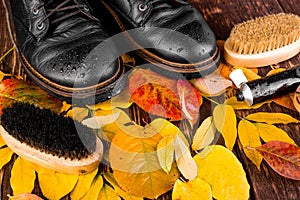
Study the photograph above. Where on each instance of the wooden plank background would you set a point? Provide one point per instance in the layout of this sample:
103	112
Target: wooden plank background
221	15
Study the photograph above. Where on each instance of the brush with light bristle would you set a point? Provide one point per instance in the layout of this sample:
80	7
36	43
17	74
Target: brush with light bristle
263	41
49	140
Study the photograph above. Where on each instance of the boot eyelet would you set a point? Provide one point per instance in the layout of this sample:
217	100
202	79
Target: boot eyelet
40	25
143	7
86	9
35	11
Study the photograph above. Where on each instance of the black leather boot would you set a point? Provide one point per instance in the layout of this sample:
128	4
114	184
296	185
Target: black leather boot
61	45
170	33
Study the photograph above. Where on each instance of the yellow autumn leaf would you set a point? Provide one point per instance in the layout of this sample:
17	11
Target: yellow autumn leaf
55	185
83	185
204	135
78	113
2	142
250	74
135	165
249	137
225	122
94	191
185	162
111	180
269	133
242	105
108	193
192	190
65	107
223	172
122	100
22	177
165	152
5	156
99	120
272	118
275	71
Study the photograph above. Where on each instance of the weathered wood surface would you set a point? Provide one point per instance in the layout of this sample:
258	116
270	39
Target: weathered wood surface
221	15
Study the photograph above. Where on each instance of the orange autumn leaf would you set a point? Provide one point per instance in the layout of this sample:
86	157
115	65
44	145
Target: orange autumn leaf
296	99
155	94
285	101
13	90
165	97
284	158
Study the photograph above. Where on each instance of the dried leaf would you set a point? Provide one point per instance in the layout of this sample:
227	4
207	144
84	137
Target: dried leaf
2	142
24	196
64	184
22	177
97	122
135	165
165	152
122	100
242	105
285	101
284	158
5	156
272	118
78	113
223	172
108	193
155	94
249	137
110	179
94	191
296	99
14	90
272	133
275	71
225	122
212	85
204	135
192	190
250	75
83	185
190	100
185	162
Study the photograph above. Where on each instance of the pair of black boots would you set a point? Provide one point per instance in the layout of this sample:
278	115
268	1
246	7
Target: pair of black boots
72	48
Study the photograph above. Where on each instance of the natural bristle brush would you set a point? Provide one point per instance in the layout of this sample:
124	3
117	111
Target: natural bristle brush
263	41
50	140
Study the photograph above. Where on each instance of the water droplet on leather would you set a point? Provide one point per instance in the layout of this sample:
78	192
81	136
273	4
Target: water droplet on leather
82	75
73	69
54	67
61	70
180	50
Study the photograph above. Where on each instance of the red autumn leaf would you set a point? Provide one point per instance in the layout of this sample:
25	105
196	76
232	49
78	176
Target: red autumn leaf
14	90
190	99
155	94
284	158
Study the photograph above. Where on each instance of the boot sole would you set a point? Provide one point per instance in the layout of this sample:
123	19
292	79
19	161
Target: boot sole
85	95
189	70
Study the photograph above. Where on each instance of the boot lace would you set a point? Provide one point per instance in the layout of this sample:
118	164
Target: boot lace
60	10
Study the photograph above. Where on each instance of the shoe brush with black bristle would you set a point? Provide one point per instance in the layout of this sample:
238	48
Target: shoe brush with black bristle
50	140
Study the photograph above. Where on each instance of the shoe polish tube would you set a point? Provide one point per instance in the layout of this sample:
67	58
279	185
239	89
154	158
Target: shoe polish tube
261	89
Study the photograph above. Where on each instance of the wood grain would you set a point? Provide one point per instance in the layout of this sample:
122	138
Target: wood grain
221	15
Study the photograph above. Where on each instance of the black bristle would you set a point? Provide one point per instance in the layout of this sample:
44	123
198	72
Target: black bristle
48	132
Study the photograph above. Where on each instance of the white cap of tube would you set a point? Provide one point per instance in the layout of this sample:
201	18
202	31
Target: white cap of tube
238	77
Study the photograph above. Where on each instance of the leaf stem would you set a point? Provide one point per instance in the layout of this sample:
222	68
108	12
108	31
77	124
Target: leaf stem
209	99
2	57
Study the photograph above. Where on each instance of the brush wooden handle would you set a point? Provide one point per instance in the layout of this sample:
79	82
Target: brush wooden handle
262	59
55	163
